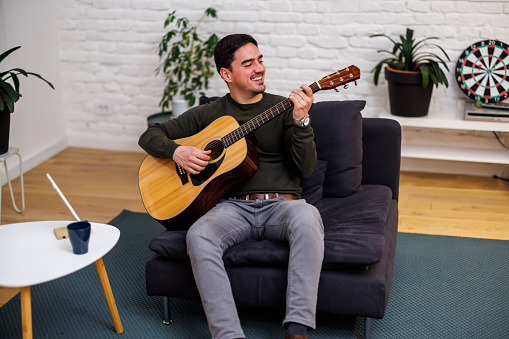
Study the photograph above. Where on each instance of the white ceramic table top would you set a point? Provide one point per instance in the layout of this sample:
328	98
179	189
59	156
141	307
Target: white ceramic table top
31	254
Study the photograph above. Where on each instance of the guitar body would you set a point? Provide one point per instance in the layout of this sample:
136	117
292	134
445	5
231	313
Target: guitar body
177	198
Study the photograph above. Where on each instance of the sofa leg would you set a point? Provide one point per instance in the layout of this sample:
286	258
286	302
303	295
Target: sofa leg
367	327
166	307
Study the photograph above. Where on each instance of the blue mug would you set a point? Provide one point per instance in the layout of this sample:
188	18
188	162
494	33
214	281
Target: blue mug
79	235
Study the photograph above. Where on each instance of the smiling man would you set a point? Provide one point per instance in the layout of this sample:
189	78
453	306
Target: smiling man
266	206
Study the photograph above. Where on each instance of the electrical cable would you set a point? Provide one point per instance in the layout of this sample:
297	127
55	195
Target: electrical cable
505	146
500	141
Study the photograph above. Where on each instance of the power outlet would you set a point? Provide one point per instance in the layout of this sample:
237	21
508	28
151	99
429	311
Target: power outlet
102	109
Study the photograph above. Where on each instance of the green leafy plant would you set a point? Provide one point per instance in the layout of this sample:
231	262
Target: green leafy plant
408	56
187	59
10	94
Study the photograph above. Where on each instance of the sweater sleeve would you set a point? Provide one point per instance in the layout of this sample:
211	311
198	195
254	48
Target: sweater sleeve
302	159
156	142
158	139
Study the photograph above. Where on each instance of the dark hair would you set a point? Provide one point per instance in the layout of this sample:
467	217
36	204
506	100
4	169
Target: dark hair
226	47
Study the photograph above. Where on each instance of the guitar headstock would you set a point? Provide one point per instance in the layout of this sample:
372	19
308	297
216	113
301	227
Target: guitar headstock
341	77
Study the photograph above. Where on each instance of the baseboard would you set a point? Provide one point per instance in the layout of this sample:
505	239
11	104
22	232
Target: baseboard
454	167
32	160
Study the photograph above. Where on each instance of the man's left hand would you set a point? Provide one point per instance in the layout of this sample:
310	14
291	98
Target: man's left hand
302	101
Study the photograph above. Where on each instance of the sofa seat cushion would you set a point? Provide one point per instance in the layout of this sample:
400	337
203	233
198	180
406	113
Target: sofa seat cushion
354	234
355	228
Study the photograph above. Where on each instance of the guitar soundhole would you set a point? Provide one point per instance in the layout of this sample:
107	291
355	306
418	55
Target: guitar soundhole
217	148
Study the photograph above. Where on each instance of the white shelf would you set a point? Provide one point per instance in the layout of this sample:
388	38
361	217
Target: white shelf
453	121
429	122
455	154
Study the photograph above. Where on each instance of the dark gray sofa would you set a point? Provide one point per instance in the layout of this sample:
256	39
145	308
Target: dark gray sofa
355	186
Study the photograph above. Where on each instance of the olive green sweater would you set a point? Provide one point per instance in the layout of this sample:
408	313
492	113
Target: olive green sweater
286	152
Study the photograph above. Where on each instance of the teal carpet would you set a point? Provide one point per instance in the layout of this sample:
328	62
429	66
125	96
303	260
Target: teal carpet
443	287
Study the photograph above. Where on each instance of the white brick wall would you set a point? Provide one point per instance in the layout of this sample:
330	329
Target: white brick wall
108	50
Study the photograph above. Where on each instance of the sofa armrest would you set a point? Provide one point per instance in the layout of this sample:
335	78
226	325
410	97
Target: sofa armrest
381	143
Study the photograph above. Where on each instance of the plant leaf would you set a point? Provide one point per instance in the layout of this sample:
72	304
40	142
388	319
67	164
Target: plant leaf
8	101
9	92
40	77
211	12
6	53
15	80
425	76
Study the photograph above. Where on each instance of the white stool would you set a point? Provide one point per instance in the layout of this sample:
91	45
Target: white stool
3	164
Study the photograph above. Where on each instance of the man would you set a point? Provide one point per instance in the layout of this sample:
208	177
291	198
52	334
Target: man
266	206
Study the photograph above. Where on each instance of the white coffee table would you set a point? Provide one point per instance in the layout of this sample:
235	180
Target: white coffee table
30	254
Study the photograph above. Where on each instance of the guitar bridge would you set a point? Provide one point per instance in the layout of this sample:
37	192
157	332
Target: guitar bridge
182	174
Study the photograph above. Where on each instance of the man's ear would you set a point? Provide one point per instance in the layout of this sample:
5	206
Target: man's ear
225	74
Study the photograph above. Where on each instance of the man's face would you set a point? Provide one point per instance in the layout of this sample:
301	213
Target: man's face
247	73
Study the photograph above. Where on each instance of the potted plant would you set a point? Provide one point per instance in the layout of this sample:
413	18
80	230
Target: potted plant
187	61
409	72
9	95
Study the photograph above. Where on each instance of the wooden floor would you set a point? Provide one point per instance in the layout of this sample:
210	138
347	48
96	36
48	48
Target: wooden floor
455	205
100	184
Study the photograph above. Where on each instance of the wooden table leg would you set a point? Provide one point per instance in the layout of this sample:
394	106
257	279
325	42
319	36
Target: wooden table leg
101	270
26	312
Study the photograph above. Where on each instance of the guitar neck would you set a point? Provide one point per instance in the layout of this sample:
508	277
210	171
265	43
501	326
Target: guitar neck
261	119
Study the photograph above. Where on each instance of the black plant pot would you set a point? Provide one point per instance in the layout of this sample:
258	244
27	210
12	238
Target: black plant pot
158	117
406	95
5	123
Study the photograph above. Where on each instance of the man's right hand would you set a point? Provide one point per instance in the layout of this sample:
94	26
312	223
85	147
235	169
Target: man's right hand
191	159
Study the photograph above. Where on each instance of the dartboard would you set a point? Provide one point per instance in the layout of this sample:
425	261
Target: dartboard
482	71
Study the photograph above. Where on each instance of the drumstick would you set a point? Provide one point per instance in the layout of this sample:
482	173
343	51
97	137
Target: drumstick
63	198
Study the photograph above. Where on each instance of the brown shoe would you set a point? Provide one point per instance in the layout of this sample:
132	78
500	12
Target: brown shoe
296	336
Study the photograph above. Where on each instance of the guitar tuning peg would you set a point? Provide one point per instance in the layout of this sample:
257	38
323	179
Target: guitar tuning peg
336	90
346	86
355	83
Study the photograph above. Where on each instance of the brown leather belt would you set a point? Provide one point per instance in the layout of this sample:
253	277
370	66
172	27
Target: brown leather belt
265	196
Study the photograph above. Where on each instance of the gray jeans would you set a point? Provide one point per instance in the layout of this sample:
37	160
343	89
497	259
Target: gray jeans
233	221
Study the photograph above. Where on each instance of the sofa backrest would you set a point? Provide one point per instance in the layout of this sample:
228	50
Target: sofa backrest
337	126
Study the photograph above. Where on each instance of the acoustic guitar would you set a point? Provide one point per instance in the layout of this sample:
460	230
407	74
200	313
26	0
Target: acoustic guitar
177	198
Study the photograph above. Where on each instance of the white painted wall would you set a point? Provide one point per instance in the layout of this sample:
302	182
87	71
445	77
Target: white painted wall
104	51
38	126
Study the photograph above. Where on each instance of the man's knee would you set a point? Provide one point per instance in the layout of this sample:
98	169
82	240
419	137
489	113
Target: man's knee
199	237
307	213
307	219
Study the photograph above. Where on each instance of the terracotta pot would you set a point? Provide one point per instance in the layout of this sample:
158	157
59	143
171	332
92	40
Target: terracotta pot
406	95
5	123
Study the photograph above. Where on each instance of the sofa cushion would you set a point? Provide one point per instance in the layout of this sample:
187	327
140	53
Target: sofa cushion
312	187
355	228
170	244
337	126
354	234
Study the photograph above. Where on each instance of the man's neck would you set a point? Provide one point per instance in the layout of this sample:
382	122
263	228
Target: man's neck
246	99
